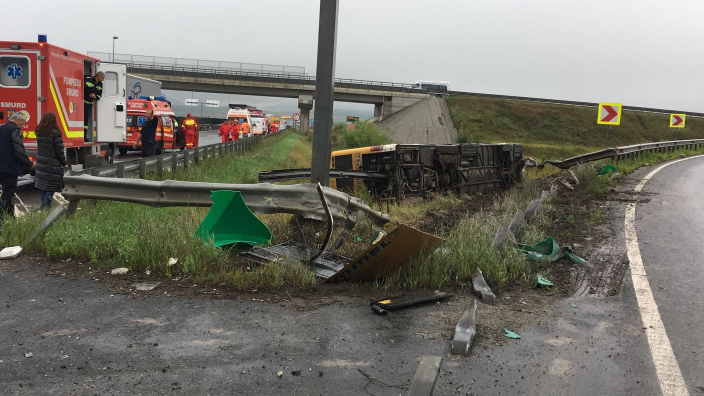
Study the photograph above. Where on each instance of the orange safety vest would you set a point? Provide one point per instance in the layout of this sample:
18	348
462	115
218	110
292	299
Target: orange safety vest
245	128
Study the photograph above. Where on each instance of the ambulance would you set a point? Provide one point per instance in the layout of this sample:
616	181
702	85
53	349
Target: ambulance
40	77
169	134
240	113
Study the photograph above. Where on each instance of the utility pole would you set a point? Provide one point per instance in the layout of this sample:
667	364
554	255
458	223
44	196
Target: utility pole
324	91
113	48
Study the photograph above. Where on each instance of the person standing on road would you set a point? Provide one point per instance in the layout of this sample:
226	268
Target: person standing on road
245	128
235	131
51	160
190	127
148	135
224	131
92	92
13	162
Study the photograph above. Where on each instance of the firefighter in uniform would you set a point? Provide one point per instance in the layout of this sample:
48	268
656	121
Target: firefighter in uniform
235	131
92	91
190	126
224	131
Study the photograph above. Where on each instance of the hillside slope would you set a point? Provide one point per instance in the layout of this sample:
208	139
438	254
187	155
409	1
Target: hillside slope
558	131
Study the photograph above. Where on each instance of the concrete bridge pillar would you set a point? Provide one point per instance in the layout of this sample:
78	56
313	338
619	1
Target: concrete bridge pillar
378	110
305	103
395	104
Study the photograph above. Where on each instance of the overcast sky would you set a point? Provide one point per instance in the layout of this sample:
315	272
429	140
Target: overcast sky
637	52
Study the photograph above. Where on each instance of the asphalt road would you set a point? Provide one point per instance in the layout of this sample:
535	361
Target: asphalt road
670	227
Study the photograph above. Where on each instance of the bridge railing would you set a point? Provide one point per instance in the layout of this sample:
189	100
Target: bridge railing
246	71
198	63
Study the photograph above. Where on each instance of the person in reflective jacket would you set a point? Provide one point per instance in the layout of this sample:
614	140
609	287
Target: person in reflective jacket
92	92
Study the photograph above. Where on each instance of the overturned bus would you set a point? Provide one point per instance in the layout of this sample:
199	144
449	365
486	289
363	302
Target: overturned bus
397	171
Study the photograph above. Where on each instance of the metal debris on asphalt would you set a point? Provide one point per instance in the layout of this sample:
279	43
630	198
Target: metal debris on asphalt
145	286
512	335
481	289
409	300
423	382
465	330
28	355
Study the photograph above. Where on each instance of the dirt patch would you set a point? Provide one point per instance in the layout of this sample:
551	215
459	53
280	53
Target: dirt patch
585	222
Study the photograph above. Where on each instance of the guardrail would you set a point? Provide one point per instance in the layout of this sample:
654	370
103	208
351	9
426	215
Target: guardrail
208	127
170	161
299	199
632	151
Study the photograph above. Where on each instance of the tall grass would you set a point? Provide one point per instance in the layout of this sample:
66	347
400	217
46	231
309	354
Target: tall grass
144	238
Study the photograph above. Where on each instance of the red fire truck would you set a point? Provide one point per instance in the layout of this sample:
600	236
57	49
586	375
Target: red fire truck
169	133
40	77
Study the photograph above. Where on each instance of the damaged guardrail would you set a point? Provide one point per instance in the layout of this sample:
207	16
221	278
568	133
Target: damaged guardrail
264	198
623	152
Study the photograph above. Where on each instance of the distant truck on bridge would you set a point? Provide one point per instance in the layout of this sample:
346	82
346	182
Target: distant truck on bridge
435	87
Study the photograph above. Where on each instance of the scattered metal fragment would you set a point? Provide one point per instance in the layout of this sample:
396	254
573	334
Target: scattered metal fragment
499	238
400	302
465	330
481	289
576	181
566	184
145	286
615	175
512	335
517	220
423	382
120	271
28	355
540	281
14	251
336	245
392	251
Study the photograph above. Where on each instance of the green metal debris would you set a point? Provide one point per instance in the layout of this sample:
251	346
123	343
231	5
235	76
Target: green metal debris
573	305
230	222
545	250
606	169
540	281
512	335
549	250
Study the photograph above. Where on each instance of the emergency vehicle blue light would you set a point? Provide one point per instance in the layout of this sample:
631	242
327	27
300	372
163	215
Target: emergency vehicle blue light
41	38
161	98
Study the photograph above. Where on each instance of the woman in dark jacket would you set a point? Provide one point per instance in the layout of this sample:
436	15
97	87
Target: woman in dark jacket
51	161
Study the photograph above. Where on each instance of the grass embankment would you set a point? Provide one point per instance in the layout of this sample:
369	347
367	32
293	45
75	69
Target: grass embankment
144	238
558	131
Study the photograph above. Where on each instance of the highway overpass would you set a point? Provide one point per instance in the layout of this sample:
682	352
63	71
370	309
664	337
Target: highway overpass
265	80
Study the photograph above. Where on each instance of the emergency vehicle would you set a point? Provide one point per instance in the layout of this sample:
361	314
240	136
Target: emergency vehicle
274	124
258	122
40	77
169	133
240	113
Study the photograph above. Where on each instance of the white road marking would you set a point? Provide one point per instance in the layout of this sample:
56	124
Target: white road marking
669	374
